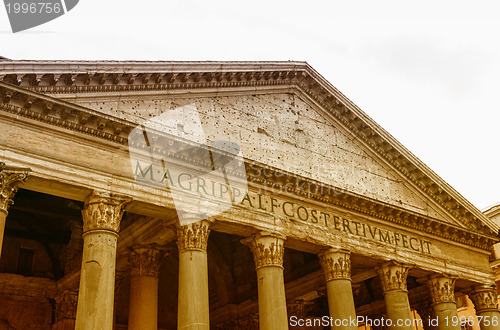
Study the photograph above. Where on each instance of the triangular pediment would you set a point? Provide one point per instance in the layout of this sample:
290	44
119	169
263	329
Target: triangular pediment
284	114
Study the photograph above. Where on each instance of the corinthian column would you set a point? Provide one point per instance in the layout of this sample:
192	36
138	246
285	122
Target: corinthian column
393	278
268	252
336	265
10	178
144	270
485	299
102	214
193	306
442	290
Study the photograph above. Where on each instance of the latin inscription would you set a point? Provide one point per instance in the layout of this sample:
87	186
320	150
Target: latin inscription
288	209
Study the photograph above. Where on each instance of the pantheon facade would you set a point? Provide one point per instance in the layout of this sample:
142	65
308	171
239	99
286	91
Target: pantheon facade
223	195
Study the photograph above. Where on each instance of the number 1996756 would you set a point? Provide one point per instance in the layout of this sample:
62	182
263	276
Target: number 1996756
33	7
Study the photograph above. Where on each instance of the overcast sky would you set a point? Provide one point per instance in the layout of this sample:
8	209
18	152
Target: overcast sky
426	71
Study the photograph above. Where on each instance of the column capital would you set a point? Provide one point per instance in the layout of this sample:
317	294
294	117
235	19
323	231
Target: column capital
145	260
267	248
393	276
193	236
336	263
66	305
103	211
441	288
484	297
10	178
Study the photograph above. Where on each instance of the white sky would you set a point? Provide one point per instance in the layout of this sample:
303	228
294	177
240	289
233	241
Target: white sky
426	71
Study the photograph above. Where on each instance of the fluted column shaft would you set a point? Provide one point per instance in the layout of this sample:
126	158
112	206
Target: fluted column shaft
268	253
193	306
102	214
10	178
442	291
336	265
393	278
144	264
485	299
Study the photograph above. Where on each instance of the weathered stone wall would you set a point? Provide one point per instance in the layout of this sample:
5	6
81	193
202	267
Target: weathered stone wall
42	265
24	312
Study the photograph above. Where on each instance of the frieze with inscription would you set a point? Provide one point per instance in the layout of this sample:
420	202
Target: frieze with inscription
283	208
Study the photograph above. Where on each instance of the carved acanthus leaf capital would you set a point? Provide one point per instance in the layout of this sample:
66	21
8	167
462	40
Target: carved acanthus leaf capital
103	211
393	276
193	236
485	298
336	264
267	248
66	305
441	289
10	178
146	260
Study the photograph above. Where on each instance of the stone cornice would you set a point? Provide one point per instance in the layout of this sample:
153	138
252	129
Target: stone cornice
91	77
